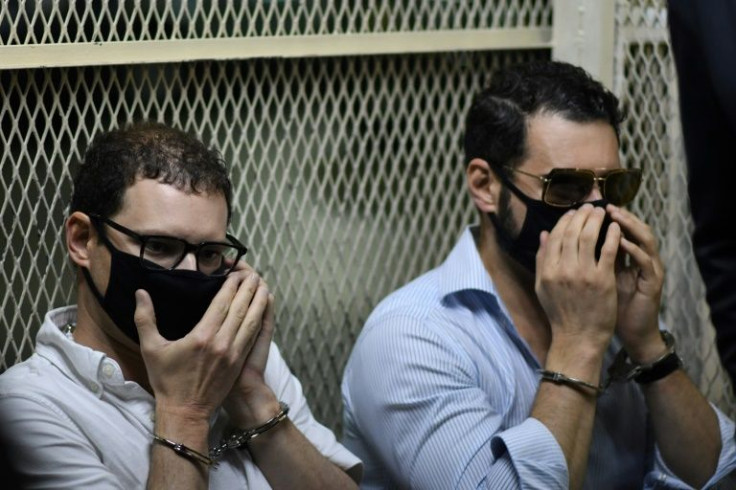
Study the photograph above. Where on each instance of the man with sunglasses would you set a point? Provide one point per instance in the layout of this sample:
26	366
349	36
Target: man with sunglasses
492	370
164	373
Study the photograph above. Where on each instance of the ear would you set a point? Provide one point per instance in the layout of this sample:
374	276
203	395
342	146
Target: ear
80	237
483	185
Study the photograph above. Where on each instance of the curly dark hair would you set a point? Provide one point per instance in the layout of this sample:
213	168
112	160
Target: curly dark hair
148	150
495	128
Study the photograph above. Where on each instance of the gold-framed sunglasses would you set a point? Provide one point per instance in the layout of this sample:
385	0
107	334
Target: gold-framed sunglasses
566	187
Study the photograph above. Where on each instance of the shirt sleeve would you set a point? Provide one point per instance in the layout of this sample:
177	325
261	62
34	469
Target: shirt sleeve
415	401
47	450
288	389
662	477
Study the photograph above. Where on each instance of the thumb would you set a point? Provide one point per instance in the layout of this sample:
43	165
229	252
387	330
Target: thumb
145	317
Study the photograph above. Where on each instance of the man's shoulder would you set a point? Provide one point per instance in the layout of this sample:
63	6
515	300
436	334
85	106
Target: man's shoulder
35	375
35	386
25	373
423	310
416	297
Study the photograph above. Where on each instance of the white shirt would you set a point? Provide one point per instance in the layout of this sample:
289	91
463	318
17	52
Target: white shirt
73	421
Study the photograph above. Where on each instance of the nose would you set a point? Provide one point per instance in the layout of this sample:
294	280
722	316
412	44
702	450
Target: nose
189	262
596	193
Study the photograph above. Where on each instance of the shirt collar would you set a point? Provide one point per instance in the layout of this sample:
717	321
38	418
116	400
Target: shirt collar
92	368
463	269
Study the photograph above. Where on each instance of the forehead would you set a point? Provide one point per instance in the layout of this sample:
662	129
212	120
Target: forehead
152	207
553	141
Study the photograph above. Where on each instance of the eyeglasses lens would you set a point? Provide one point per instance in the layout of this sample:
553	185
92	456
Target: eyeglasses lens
216	259
569	186
164	252
621	187
566	187
212	258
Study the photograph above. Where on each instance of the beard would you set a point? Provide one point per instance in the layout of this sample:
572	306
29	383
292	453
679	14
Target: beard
505	217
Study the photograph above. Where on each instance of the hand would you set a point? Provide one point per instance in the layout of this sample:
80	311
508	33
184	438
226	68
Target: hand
577	292
191	376
639	288
250	401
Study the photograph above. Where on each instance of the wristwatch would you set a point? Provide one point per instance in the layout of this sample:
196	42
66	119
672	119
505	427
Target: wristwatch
623	369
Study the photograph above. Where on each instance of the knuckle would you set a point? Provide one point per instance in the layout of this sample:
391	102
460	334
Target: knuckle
220	349
200	342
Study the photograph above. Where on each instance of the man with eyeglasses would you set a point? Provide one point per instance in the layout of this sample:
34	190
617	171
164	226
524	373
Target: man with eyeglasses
533	357
164	373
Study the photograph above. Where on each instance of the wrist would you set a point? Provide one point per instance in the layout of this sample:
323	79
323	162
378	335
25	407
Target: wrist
646	350
253	409
191	429
177	412
576	359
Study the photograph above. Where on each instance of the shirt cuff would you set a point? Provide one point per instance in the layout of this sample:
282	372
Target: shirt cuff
534	453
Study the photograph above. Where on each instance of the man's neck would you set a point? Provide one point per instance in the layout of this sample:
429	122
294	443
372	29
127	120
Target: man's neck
91	333
515	286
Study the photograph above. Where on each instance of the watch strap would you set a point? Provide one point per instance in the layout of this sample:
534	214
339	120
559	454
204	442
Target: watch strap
623	369
659	369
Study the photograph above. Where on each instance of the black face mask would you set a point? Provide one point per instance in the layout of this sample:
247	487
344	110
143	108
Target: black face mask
539	217
180	297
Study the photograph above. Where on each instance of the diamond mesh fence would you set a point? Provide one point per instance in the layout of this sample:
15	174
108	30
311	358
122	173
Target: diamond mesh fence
347	171
66	21
338	202
646	82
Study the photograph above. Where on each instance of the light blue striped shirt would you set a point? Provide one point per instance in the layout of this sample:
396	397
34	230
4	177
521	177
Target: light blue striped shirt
439	388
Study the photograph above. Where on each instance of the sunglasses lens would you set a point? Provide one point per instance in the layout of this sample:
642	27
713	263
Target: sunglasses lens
567	187
621	187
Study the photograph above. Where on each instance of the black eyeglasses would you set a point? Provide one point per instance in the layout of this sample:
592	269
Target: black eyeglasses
565	187
166	252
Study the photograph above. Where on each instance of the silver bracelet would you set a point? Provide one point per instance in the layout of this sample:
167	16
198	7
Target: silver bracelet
578	384
241	437
185	451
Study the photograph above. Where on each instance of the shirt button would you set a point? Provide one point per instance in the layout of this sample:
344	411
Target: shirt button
108	370
94	388
152	416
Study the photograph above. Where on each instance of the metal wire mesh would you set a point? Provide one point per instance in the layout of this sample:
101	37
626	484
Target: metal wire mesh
645	79
67	21
346	170
347	176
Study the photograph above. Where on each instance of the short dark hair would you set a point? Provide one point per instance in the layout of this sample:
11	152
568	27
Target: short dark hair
148	150
495	128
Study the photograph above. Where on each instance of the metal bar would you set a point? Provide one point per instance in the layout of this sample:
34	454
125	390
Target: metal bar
135	52
583	35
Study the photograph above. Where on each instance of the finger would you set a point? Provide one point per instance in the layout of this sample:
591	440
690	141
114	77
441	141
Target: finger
648	267
145	319
252	323
635	229
638	232
542	252
571	239
590	232
259	353
218	310
609	251
240	305
242	265
554	240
